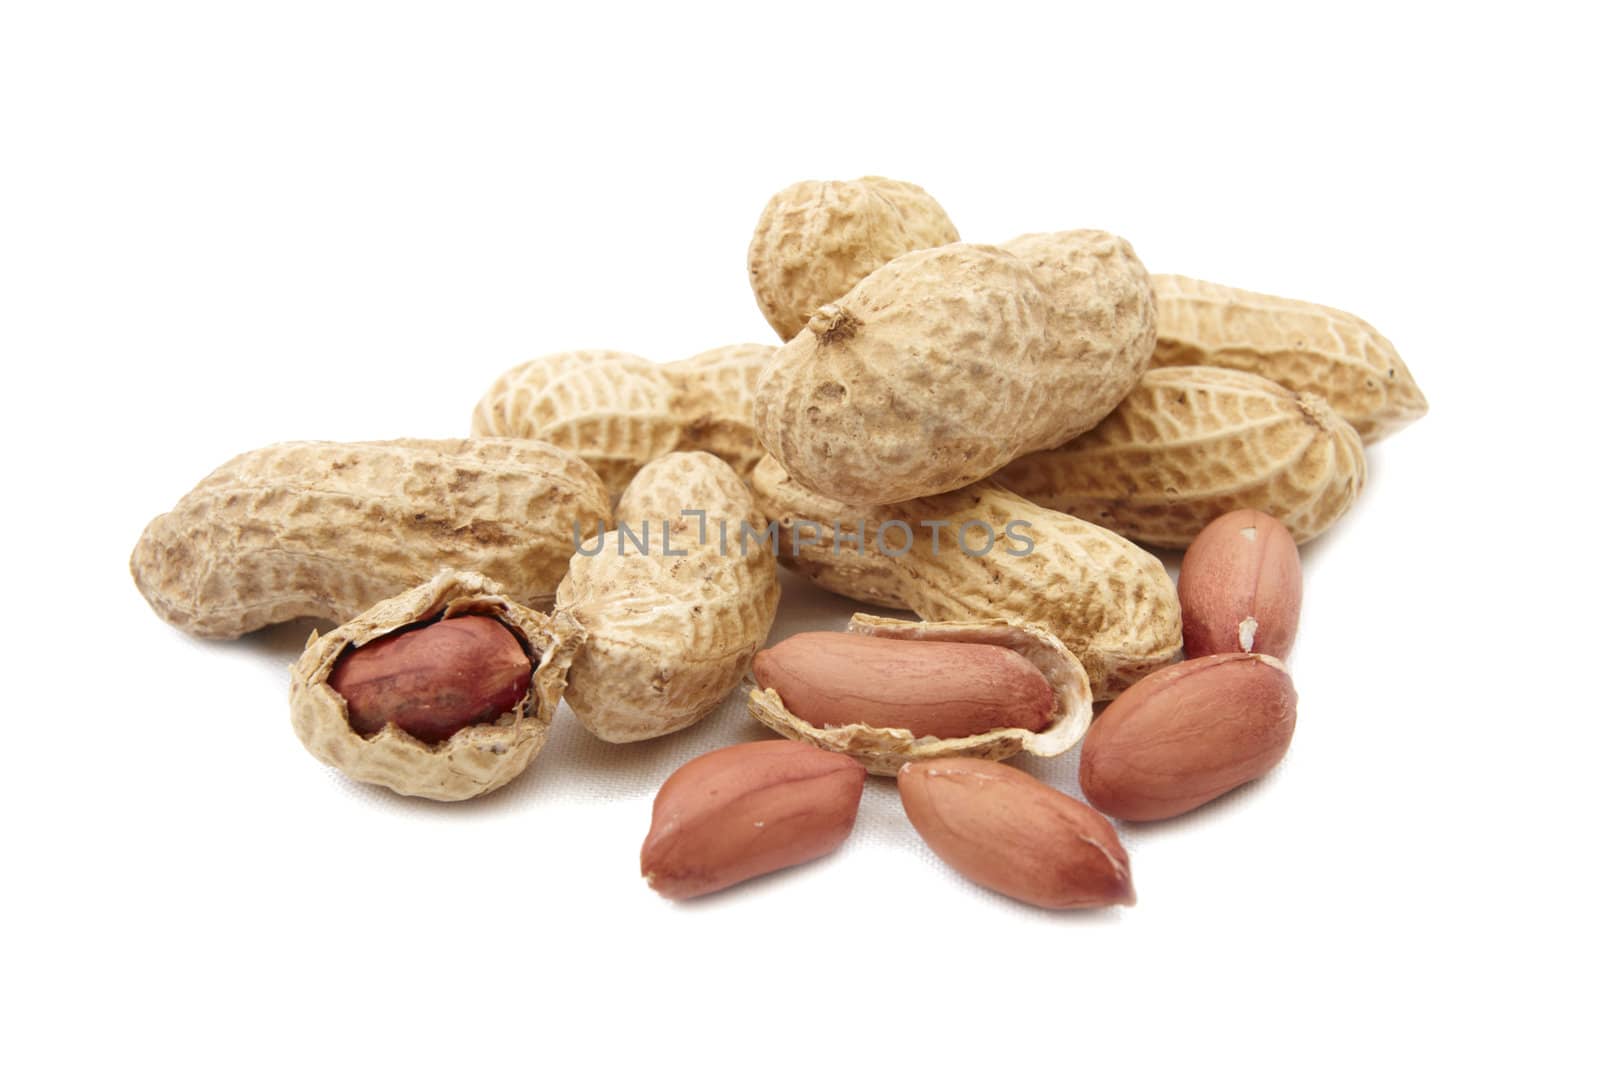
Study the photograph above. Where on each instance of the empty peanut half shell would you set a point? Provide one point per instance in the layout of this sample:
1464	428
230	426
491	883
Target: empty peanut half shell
881	750
474	760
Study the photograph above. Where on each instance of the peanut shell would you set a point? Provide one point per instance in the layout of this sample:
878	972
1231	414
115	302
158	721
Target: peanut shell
816	239
882	750
1303	347
475	759
667	636
619	411
943	365
317	529
1107	600
1192	443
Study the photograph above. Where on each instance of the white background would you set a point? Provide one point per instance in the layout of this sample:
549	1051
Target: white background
223	225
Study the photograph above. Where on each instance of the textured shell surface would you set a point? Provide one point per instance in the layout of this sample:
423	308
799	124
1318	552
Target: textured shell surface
882	750
474	760
618	411
816	239
1302	346
317	529
1109	602
1190	444
669	636
928	375
1102	323
612	409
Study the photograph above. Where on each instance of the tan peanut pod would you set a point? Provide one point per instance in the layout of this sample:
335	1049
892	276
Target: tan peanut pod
882	750
816	239
618	411
1108	601
943	365
475	759
1304	347
1192	443
319	529
669	636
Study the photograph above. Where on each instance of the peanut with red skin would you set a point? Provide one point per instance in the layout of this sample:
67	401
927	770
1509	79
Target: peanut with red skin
1240	587
1011	833
434	680
932	689
748	810
1188	734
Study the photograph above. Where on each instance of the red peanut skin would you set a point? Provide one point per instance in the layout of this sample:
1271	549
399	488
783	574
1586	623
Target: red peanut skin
1011	833
931	688
434	680
1187	734
748	810
1243	566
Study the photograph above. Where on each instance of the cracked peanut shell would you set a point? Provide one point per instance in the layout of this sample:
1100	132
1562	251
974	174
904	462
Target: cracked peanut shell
1303	347
474	760
882	750
618	411
1109	601
816	239
320	529
1190	444
668	637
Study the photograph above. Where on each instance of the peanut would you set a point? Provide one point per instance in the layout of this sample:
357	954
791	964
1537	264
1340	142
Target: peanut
618	412
668	635
323	530
747	810
432	681
451	755
1240	587
949	689
1188	734
1108	601
891	691
1015	835
1192	443
1303	347
816	239
944	364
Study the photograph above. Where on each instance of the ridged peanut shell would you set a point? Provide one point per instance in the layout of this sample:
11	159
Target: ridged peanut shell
475	759
1108	601
929	374
1102	323
715	403
882	750
1303	347
816	239
1192	443
318	529
668	637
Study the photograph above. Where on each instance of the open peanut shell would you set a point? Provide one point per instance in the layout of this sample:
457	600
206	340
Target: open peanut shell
882	750
475	759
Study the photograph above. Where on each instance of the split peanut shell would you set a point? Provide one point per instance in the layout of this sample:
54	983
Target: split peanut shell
475	759
881	750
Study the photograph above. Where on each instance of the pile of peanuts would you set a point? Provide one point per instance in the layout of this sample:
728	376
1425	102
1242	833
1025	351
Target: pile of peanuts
982	436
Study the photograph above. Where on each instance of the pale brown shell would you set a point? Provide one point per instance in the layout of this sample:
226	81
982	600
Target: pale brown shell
618	411
668	636
816	239
927	375
1108	601
472	761
1192	443
1102	322
943	365
1303	347
882	750
321	529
